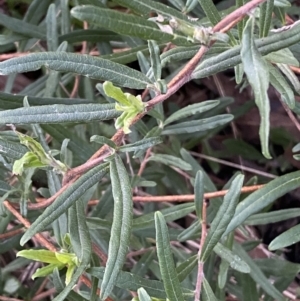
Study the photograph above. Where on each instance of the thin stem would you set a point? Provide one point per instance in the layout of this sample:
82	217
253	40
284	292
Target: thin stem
191	197
11	233
200	273
241	167
290	114
182	198
41	239
43	295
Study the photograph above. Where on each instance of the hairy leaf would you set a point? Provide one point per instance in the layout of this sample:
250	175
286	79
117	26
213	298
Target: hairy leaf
65	200
121	226
166	263
257	73
86	65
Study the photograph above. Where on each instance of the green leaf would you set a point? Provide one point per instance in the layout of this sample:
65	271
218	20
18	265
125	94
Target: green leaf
59	114
197	125
143	295
185	268
192	110
11	101
52	38
130	105
272	217
66	258
230	58
223	217
121	226
265	18
80	240
65	200
146	7
210	11
170	214
103	140
140	145
291	76
170	161
59	287
286	239
278	266
235	261
155	59
115	93
249	288
47	270
86	65
199	193
12	150
207	292
257	275
284	56
124	24
77	145
257	73
40	255
263	197
22	27
278	81
29	160
37	157
166	263
133	282
282	3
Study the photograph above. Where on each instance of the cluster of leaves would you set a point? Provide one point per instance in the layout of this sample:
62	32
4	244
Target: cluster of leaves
43	122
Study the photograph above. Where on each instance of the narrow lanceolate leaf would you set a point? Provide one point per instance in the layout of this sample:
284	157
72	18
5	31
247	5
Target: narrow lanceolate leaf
197	125
155	59
199	193
103	140
235	261
257	73
278	81
165	259
12	150
257	275
59	114
22	27
265	17
231	57
192	110
171	161
121	226
132	282
272	217
65	200
86	65
12	101
39	255
141	144
291	76
207	292
143	295
286	239
210	11
125	24
51	21
148	6
81	242
263	197
223	217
